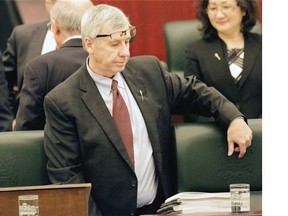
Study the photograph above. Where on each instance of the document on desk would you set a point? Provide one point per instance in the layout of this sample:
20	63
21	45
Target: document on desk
196	202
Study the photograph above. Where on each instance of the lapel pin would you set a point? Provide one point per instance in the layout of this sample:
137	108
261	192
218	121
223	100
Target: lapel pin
141	95
217	56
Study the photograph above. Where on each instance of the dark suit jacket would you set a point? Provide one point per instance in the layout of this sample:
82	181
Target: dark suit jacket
41	75
6	115
82	142
24	44
201	61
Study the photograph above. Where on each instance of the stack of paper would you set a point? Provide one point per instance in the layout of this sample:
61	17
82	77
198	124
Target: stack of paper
196	202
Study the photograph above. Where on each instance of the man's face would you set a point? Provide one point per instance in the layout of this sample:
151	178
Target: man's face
109	51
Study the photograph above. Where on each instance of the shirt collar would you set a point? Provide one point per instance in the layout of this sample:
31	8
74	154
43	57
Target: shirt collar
72	37
105	83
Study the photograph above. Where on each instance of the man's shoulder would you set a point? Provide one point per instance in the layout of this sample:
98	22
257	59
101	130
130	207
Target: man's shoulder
71	82
60	55
31	25
142	60
24	29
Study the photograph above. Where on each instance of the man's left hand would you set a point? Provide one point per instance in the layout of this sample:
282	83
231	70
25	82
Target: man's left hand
240	134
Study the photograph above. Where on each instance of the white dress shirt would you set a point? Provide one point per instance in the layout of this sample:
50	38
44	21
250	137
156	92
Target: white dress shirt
49	43
144	162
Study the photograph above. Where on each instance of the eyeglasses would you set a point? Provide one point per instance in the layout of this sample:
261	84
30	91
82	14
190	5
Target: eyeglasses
225	9
49	26
118	35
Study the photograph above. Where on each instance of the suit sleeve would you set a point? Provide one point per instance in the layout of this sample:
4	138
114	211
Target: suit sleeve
30	112
191	96
6	115
63	151
10	65
61	146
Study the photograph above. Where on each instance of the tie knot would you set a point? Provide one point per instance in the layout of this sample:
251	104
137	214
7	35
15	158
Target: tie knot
114	85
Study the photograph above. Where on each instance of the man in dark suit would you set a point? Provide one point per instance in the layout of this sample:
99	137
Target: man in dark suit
6	115
25	43
83	139
46	71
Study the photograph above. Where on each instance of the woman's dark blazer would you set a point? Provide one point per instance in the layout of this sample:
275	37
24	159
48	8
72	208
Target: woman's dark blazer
207	61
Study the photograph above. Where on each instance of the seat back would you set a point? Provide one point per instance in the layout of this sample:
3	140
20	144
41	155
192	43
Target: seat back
202	162
22	159
177	35
257	28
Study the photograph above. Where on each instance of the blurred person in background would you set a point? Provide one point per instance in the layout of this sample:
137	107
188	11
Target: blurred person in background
25	42
229	56
46	71
6	115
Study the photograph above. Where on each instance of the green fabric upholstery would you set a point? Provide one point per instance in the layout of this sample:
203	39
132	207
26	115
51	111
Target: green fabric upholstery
202	161
177	35
22	159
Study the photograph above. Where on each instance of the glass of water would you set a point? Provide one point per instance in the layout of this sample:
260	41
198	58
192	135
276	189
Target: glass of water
240	197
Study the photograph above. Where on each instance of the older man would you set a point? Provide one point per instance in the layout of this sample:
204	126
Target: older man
46	71
109	123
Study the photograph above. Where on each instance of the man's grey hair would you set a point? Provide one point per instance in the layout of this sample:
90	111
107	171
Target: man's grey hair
102	16
68	14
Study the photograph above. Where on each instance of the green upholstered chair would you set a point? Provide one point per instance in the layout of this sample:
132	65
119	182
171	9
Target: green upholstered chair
22	159
202	162
177	35
257	28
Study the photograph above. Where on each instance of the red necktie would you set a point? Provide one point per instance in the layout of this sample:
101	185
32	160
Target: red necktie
122	120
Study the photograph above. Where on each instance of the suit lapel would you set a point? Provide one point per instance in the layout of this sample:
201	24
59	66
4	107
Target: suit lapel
251	51
145	104
217	66
96	105
94	102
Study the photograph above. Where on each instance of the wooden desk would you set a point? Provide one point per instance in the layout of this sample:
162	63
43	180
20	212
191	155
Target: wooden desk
56	200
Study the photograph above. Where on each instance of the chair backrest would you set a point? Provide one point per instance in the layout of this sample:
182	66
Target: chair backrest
202	162
257	28
177	35
22	159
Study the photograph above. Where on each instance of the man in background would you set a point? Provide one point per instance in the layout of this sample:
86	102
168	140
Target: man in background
6	115
25	42
45	72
